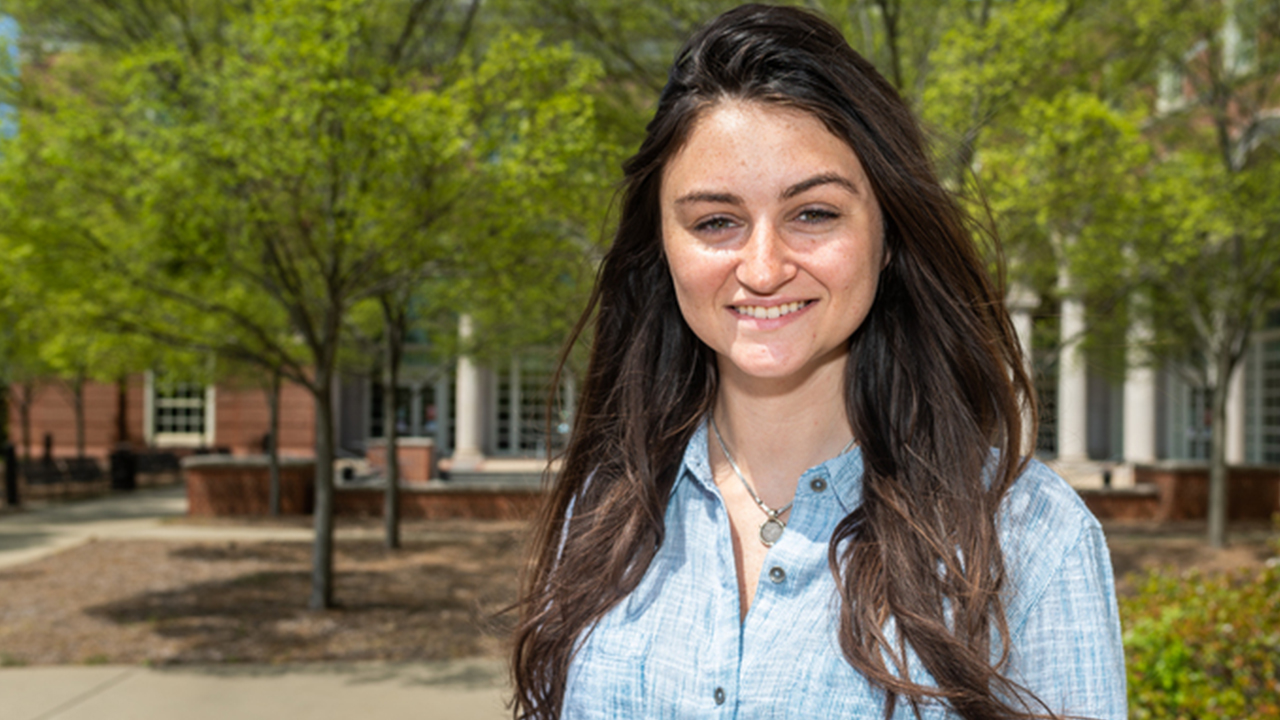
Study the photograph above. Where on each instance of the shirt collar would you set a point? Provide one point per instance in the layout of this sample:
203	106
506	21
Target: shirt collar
696	464
843	473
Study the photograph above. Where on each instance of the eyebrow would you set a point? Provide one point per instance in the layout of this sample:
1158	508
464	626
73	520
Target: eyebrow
815	181
804	185
709	197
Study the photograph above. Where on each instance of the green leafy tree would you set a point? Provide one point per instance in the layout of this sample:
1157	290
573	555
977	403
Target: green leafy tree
21	334
1149	179
261	179
1207	232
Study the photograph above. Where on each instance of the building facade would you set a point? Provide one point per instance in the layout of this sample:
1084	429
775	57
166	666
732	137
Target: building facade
1092	426
473	414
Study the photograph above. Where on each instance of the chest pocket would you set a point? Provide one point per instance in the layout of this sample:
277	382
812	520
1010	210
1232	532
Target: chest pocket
607	677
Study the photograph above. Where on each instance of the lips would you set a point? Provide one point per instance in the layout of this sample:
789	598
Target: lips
772	312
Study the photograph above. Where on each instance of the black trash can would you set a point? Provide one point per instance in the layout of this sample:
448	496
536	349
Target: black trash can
124	470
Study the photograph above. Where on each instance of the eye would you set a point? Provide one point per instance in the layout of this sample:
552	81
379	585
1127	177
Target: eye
715	224
816	216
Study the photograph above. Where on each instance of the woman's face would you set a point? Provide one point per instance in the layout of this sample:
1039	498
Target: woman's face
773	237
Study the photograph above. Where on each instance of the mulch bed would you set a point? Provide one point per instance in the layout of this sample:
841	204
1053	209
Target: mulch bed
1139	547
164	602
167	602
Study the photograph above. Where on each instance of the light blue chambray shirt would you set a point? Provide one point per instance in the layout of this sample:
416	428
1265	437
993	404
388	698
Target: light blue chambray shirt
676	647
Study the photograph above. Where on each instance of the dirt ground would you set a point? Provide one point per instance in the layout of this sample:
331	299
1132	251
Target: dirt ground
160	602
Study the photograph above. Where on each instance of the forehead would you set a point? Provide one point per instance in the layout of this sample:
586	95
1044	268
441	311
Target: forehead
737	141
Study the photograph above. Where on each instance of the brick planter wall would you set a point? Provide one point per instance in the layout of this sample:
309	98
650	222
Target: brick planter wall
1138	503
1253	491
441	502
416	456
219	485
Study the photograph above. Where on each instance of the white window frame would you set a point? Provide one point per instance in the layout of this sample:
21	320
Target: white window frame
169	439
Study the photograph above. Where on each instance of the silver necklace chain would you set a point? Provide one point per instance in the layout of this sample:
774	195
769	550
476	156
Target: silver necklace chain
772	528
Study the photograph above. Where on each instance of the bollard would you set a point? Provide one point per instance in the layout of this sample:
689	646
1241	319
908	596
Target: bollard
11	476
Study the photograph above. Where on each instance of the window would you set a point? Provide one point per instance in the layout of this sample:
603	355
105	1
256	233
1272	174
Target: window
1190	419
521	417
1270	416
178	413
423	409
1170	91
1199	422
1045	377
1240	48
404	411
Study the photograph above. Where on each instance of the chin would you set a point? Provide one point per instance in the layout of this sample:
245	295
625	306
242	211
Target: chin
768	370
781	368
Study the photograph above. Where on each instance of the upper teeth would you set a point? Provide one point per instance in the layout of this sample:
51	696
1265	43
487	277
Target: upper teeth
768	313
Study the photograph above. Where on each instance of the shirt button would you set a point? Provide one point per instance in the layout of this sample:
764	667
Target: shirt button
719	696
777	574
818	484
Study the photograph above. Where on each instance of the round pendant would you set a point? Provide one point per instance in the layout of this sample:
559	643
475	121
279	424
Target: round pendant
771	531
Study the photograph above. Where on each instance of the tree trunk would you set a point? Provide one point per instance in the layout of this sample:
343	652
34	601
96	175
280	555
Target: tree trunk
393	332
24	418
1218	456
77	393
273	445
6	398
391	506
122	411
322	549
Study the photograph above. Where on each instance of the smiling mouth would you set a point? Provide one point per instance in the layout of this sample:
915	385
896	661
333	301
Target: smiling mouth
769	313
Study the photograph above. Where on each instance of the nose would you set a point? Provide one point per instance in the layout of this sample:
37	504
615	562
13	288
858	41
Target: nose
765	265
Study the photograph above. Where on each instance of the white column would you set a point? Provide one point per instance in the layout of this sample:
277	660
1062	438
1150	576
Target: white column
1073	389
1021	302
469	407
1235	417
1139	399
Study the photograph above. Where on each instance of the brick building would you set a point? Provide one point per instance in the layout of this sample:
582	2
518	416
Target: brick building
141	414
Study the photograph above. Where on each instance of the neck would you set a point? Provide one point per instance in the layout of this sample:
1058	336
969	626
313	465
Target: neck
776	430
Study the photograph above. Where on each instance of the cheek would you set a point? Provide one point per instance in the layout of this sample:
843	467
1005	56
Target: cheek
697	281
678	269
693	290
688	270
858	285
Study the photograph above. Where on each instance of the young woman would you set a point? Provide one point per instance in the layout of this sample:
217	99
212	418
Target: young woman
795	486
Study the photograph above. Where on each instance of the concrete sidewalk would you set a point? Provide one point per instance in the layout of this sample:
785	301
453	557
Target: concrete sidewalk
32	533
463	689
149	514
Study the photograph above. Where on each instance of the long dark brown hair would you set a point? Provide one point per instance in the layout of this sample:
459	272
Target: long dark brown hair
934	382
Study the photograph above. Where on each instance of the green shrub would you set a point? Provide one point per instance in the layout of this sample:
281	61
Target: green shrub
1201	645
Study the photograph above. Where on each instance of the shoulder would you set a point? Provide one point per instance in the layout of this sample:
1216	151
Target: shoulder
1046	532
1064	626
1041	504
